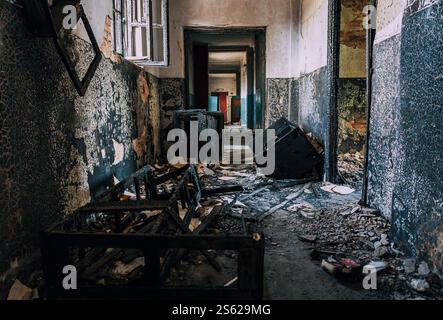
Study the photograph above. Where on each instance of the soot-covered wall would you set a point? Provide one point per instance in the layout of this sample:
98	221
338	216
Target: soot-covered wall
406	163
57	149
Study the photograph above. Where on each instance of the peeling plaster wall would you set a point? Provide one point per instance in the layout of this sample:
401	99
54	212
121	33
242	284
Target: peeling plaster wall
57	149
273	14
302	98
407	128
307	94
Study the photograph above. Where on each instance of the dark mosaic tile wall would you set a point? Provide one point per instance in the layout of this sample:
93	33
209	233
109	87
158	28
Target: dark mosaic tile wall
313	102
418	196
278	99
385	104
407	133
58	149
172	92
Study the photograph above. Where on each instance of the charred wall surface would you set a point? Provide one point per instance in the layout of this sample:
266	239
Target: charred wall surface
407	132
278	99
351	114
58	150
172	92
313	103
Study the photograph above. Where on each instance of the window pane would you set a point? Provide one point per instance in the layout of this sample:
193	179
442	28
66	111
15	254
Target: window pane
118	27
157	11
144	42
158	44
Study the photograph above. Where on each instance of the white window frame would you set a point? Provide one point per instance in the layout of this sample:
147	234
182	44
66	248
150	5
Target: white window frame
128	31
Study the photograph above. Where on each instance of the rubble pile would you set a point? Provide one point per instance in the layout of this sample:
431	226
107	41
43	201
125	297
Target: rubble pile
343	238
351	167
346	239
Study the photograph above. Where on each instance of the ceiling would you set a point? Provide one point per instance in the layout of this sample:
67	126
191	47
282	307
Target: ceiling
227	58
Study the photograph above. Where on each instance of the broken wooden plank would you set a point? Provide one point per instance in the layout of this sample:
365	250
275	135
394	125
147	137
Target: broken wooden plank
120	187
221	190
124	206
289	198
170	175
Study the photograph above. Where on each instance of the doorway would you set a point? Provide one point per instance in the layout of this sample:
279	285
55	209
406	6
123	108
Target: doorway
225	71
348	76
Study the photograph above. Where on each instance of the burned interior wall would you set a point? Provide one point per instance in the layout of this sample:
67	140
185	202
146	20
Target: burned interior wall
308	90
57	149
407	128
313	103
352	82
278	99
172	96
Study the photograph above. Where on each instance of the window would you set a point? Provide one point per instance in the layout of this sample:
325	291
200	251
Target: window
141	31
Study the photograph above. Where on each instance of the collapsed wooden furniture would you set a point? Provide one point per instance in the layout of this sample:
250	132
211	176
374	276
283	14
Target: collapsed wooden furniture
74	242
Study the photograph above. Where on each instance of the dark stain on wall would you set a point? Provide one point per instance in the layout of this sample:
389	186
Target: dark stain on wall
58	150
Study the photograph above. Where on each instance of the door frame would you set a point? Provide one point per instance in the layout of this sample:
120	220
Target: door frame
258	80
333	71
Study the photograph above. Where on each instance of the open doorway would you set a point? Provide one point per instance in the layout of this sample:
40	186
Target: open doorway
349	84
352	85
225	72
228	85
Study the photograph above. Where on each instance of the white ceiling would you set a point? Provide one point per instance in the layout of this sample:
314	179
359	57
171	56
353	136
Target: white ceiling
227	58
222	75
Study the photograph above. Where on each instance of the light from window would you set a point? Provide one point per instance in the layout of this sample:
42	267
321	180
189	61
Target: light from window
141	31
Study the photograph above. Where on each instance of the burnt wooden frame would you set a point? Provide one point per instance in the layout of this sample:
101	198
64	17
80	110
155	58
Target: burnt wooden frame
56	243
250	265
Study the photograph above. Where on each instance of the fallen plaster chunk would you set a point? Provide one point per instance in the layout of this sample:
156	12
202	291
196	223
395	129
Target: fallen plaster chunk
332	188
119	152
409	266
423	269
343	190
123	269
20	292
420	285
377	265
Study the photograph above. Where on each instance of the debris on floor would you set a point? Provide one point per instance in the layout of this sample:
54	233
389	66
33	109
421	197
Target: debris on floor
343	238
19	291
351	166
346	237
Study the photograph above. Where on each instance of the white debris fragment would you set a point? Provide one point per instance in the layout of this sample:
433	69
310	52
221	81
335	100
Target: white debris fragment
409	266
423	269
342	190
420	285
377	265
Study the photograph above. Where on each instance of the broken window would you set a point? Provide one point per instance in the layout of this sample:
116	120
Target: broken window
141	31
